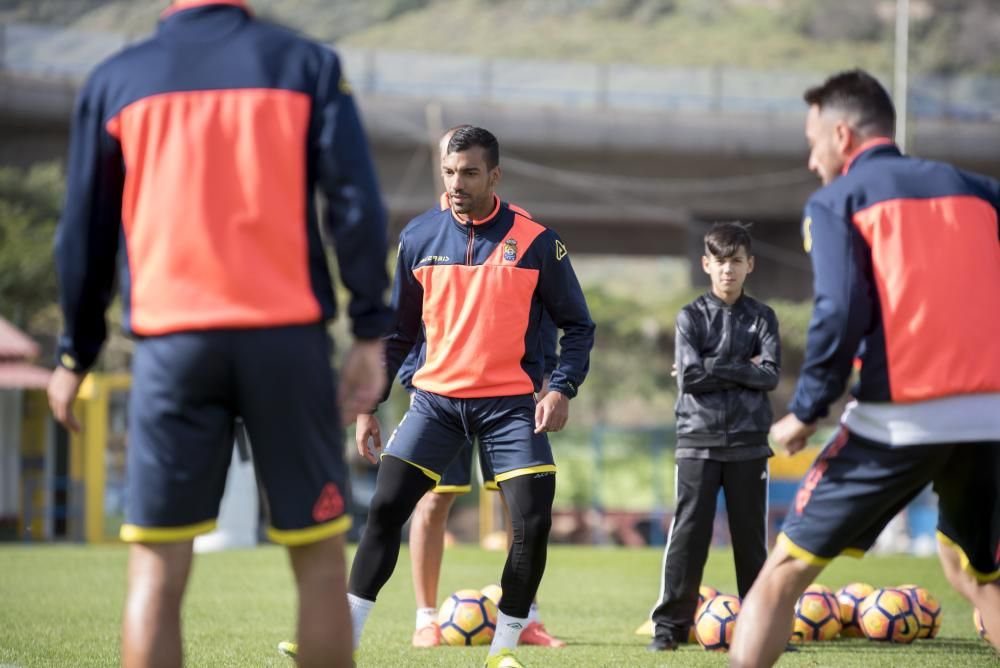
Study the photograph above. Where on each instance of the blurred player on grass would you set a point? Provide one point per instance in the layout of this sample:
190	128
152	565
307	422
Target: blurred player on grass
906	259
194	160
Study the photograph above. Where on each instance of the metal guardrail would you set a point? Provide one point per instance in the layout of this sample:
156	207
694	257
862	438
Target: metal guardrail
49	51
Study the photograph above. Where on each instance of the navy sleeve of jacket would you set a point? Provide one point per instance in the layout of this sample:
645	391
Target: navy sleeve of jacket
408	305
692	377
987	188
549	335
843	305
562	298
86	241
763	376
411	363
355	216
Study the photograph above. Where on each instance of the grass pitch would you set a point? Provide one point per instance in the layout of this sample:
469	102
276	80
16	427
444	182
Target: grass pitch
61	606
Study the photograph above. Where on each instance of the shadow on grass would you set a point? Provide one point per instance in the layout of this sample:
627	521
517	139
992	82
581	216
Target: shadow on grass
947	646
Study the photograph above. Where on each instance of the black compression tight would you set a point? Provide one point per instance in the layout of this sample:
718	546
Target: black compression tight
398	488
529	501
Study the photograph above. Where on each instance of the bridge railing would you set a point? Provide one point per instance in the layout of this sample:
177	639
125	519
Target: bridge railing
51	51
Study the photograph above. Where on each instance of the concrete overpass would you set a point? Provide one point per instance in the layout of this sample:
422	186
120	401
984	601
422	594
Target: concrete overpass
610	180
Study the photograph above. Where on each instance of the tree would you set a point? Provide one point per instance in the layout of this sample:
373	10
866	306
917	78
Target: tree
29	209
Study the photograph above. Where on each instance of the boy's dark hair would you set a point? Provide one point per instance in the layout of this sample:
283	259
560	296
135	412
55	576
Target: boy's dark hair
468	136
726	239
860	95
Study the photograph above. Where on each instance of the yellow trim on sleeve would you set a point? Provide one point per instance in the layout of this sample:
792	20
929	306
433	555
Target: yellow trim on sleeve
452	489
516	473
981	578
131	533
853	552
491	486
426	471
313	534
801	554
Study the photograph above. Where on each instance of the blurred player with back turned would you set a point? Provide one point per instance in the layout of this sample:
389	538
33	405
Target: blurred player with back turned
194	159
906	258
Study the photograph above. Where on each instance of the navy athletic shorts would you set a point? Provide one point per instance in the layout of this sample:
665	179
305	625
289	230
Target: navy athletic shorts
457	478
856	486
436	429
187	390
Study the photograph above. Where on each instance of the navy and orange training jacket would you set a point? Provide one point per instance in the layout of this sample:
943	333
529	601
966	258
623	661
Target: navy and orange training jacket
194	158
547	333
906	258
476	290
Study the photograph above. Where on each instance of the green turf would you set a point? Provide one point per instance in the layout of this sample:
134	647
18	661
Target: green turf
61	607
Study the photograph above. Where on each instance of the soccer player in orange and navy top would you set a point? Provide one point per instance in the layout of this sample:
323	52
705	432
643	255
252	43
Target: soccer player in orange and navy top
474	279
194	159
906	258
430	517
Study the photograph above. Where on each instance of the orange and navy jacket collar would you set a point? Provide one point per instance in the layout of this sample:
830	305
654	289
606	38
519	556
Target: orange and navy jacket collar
477	223
867	146
181	5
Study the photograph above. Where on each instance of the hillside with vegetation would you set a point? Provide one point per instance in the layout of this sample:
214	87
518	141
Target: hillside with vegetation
949	36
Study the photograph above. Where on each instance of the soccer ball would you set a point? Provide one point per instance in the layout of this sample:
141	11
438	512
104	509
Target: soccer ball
850	596
492	592
817	615
926	607
705	593
888	615
467	618
716	622
977	619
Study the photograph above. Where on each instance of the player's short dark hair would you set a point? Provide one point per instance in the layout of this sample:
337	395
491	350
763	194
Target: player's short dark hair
468	136
859	94
726	239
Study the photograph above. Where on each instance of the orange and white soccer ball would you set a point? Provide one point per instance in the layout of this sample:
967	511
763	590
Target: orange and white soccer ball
817	615
492	592
927	609
705	593
716	622
467	618
849	597
888	615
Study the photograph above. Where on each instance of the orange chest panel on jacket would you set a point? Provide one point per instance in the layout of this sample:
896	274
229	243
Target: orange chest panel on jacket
475	319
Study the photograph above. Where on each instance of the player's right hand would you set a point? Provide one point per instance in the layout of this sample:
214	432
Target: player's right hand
63	388
368	437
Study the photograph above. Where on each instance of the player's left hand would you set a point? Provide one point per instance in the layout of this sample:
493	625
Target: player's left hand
791	433
63	388
552	412
540	394
362	379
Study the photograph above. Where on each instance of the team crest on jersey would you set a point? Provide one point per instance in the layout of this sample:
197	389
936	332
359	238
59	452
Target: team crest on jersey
510	250
807	234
